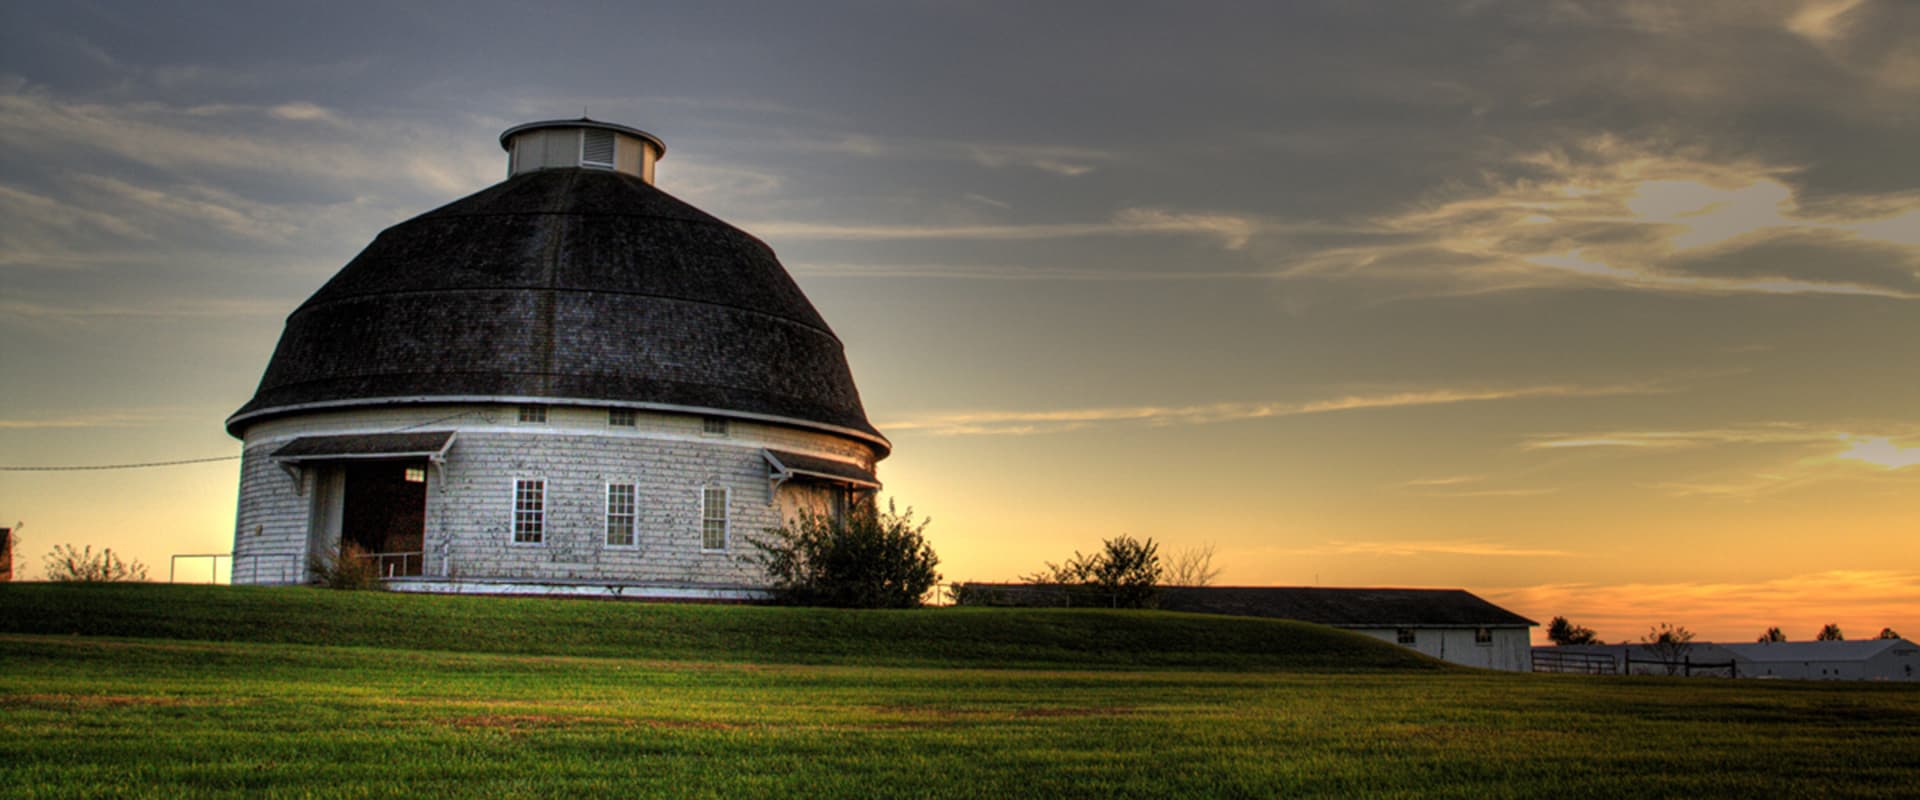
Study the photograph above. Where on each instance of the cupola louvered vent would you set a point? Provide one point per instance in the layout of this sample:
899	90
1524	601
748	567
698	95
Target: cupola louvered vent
597	150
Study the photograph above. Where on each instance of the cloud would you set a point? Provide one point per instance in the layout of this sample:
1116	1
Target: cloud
1880	451
1064	161
1861	601
983	272
1233	232
1402	549
1642	216
103	419
1016	423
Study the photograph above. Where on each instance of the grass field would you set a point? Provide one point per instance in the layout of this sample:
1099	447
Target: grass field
143	691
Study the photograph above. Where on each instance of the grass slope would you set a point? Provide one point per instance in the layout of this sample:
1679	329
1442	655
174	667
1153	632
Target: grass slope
250	693
983	637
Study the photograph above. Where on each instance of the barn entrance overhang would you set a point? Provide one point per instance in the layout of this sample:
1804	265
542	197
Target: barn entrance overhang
308	450
783	466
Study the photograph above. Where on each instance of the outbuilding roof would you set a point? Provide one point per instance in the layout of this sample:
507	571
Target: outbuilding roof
1858	650
565	285
1380	608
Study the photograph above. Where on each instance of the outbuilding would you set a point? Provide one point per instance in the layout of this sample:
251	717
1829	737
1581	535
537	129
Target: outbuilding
1864	660
1449	624
570	382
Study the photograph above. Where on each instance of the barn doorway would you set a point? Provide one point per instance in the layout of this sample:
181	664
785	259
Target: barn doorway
384	513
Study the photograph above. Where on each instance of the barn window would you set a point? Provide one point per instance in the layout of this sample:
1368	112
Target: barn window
1483	636
415	475
714	426
1403	635
533	413
620	514
620	417
529	511
597	149
713	518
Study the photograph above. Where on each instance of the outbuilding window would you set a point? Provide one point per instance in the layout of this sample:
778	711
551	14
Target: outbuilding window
531	413
620	514
529	511
596	148
620	417
1483	636
714	426
713	518
1403	635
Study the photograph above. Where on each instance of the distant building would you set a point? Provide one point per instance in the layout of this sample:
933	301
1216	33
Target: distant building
1862	660
1449	624
569	382
1868	659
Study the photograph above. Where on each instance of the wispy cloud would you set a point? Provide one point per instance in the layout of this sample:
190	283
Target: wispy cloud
102	419
1605	212
1232	231
1448	547
987	272
1064	161
1015	423
1861	601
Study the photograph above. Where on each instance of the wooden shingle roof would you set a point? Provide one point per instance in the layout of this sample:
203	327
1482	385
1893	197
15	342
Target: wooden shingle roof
1380	608
565	285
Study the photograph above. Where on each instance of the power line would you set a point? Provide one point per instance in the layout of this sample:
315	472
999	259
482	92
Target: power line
92	467
147	464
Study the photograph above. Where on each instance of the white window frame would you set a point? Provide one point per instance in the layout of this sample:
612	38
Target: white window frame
725	519
717	427
541	520
533	413
1486	641
1406	636
632	515
623	418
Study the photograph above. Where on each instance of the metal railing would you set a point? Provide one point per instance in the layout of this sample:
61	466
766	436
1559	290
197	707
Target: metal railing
213	574
397	565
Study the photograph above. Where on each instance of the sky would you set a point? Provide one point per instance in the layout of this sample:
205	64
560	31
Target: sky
1601	309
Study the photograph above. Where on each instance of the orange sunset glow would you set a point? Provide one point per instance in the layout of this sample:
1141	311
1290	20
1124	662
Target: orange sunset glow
1608	310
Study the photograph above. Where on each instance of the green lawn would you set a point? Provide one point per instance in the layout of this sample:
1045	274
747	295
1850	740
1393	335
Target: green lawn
705	701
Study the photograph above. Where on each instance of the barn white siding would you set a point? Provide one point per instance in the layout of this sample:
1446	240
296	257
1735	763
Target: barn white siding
1509	648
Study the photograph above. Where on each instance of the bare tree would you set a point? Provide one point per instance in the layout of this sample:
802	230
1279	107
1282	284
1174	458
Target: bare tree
1830	633
1192	566
1773	635
1670	643
70	564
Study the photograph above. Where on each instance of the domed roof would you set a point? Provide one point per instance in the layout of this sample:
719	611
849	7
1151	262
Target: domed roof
565	285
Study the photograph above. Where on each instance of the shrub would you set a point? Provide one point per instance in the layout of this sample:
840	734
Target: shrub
69	565
345	566
864	558
1124	574
1562	631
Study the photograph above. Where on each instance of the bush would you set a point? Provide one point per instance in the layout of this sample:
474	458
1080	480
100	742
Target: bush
1561	631
69	565
1124	574
345	567
865	558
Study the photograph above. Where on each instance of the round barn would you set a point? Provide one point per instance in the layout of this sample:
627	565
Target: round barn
568	382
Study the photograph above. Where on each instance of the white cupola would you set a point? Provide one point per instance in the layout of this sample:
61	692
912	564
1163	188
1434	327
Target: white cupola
581	143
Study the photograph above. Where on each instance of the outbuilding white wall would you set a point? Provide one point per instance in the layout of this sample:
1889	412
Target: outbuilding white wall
1510	651
469	515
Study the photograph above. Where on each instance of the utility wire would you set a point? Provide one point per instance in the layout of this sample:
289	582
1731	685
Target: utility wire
91	467
144	465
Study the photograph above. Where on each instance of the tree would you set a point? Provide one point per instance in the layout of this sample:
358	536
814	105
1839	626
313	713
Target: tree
1669	643
1830	633
1191	567
1123	574
1562	632
1887	633
75	565
1773	635
864	558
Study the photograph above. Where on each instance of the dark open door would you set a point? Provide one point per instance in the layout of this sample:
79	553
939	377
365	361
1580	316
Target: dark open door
385	513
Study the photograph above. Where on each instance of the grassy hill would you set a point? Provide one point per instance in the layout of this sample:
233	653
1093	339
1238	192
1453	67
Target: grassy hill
211	692
973	637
